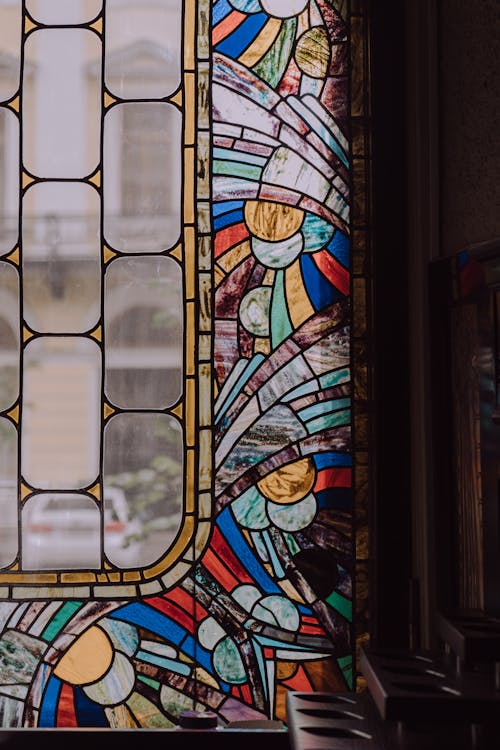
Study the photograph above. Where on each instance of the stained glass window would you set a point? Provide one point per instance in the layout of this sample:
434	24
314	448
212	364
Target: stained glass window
184	379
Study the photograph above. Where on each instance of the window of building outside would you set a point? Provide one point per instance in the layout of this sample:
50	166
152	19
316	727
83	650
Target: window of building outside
184	268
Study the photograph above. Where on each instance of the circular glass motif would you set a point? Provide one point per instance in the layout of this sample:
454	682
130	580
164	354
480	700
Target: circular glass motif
254	310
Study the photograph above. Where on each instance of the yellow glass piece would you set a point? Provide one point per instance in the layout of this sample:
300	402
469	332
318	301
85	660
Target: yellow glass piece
189	251
78	577
301	309
201	675
27	334
87	659
14	256
272	221
14	414
262	345
26	180
189	26
204	505
261	44
177	252
289	483
178	411
25	491
114	577
95	179
290	591
96	491
107	410
108	254
108	99
190	333
219	276
119	717
268	279
189	185
14	104
97	333
190	411
205	398
189	106
97	26
131	575
232	258
29	25
177	98
190	481
202	536
205	459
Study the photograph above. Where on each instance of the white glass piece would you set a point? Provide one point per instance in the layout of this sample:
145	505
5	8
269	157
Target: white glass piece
143	481
59	12
60	530
143	315
143	48
9	335
9	180
61	257
8	492
142	176
10	47
60	417
61	113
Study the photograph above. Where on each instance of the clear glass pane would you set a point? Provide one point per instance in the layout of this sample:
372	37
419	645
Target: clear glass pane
143	48
60	417
8	492
61	257
143	480
9	335
9	180
10	42
63	11
142	176
143	314
61	112
60	530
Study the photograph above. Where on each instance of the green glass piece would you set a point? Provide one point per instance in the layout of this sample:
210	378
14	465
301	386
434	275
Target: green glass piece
281	327
59	621
274	63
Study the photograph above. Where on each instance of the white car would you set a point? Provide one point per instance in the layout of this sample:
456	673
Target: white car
62	530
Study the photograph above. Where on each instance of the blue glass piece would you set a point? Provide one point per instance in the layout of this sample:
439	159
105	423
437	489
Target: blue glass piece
160	661
48	708
88	713
196	651
278	570
237	42
220	10
334	377
238	544
320	291
147	617
225	220
230	154
228	397
331	458
323	407
339	247
335	498
224	207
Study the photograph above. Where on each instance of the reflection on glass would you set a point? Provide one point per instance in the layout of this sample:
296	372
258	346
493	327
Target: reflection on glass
10	36
142	176
60	417
63	11
9	335
143	48
61	257
9	179
143	332
8	492
60	530
143	468
61	114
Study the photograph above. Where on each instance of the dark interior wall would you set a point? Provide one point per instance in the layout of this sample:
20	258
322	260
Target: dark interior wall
469	115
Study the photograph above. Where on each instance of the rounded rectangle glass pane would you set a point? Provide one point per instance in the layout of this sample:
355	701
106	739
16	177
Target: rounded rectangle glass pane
9	186
61	113
143	48
61	412
60	530
10	37
58	12
8	492
143	320
61	257
142	176
9	335
143	485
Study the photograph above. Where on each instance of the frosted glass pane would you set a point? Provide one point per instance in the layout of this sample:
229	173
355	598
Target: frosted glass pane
143	314
10	41
142	176
9	180
60	417
63	11
60	530
61	257
61	114
143	48
9	335
143	464
8	492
